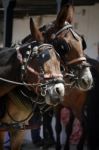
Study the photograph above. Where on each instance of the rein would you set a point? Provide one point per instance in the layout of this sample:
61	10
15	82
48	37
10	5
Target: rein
20	83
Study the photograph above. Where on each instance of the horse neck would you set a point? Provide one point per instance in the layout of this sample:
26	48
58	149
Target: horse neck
9	64
6	88
75	100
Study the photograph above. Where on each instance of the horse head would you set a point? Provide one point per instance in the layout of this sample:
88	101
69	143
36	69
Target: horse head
70	47
41	68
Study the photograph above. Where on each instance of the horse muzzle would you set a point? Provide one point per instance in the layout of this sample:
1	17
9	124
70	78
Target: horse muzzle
55	92
85	82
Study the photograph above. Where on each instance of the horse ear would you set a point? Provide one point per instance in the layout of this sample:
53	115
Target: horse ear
36	34
65	14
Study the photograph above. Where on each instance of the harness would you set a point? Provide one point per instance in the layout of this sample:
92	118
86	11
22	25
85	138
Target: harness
27	101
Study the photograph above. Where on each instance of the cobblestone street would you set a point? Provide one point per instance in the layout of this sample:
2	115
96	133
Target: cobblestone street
30	146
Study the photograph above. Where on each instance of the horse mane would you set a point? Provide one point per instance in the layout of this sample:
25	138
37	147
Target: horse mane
8	63
6	54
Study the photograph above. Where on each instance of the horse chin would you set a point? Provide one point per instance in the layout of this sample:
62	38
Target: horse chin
83	89
53	101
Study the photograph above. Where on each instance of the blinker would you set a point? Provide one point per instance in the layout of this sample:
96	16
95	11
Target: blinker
43	57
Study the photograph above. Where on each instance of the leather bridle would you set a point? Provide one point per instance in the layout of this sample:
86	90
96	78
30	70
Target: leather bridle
44	79
69	27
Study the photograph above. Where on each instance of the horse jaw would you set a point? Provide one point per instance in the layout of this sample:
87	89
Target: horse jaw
86	80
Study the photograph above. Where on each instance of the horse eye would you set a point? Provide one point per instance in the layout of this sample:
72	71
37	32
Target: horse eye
62	47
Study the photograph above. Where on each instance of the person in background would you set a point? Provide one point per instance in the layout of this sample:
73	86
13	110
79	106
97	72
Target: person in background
48	134
35	133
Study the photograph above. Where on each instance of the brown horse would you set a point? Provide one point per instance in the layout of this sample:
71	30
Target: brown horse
71	46
17	67
34	68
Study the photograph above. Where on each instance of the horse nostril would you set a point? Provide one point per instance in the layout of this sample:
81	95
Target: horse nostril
85	81
57	90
